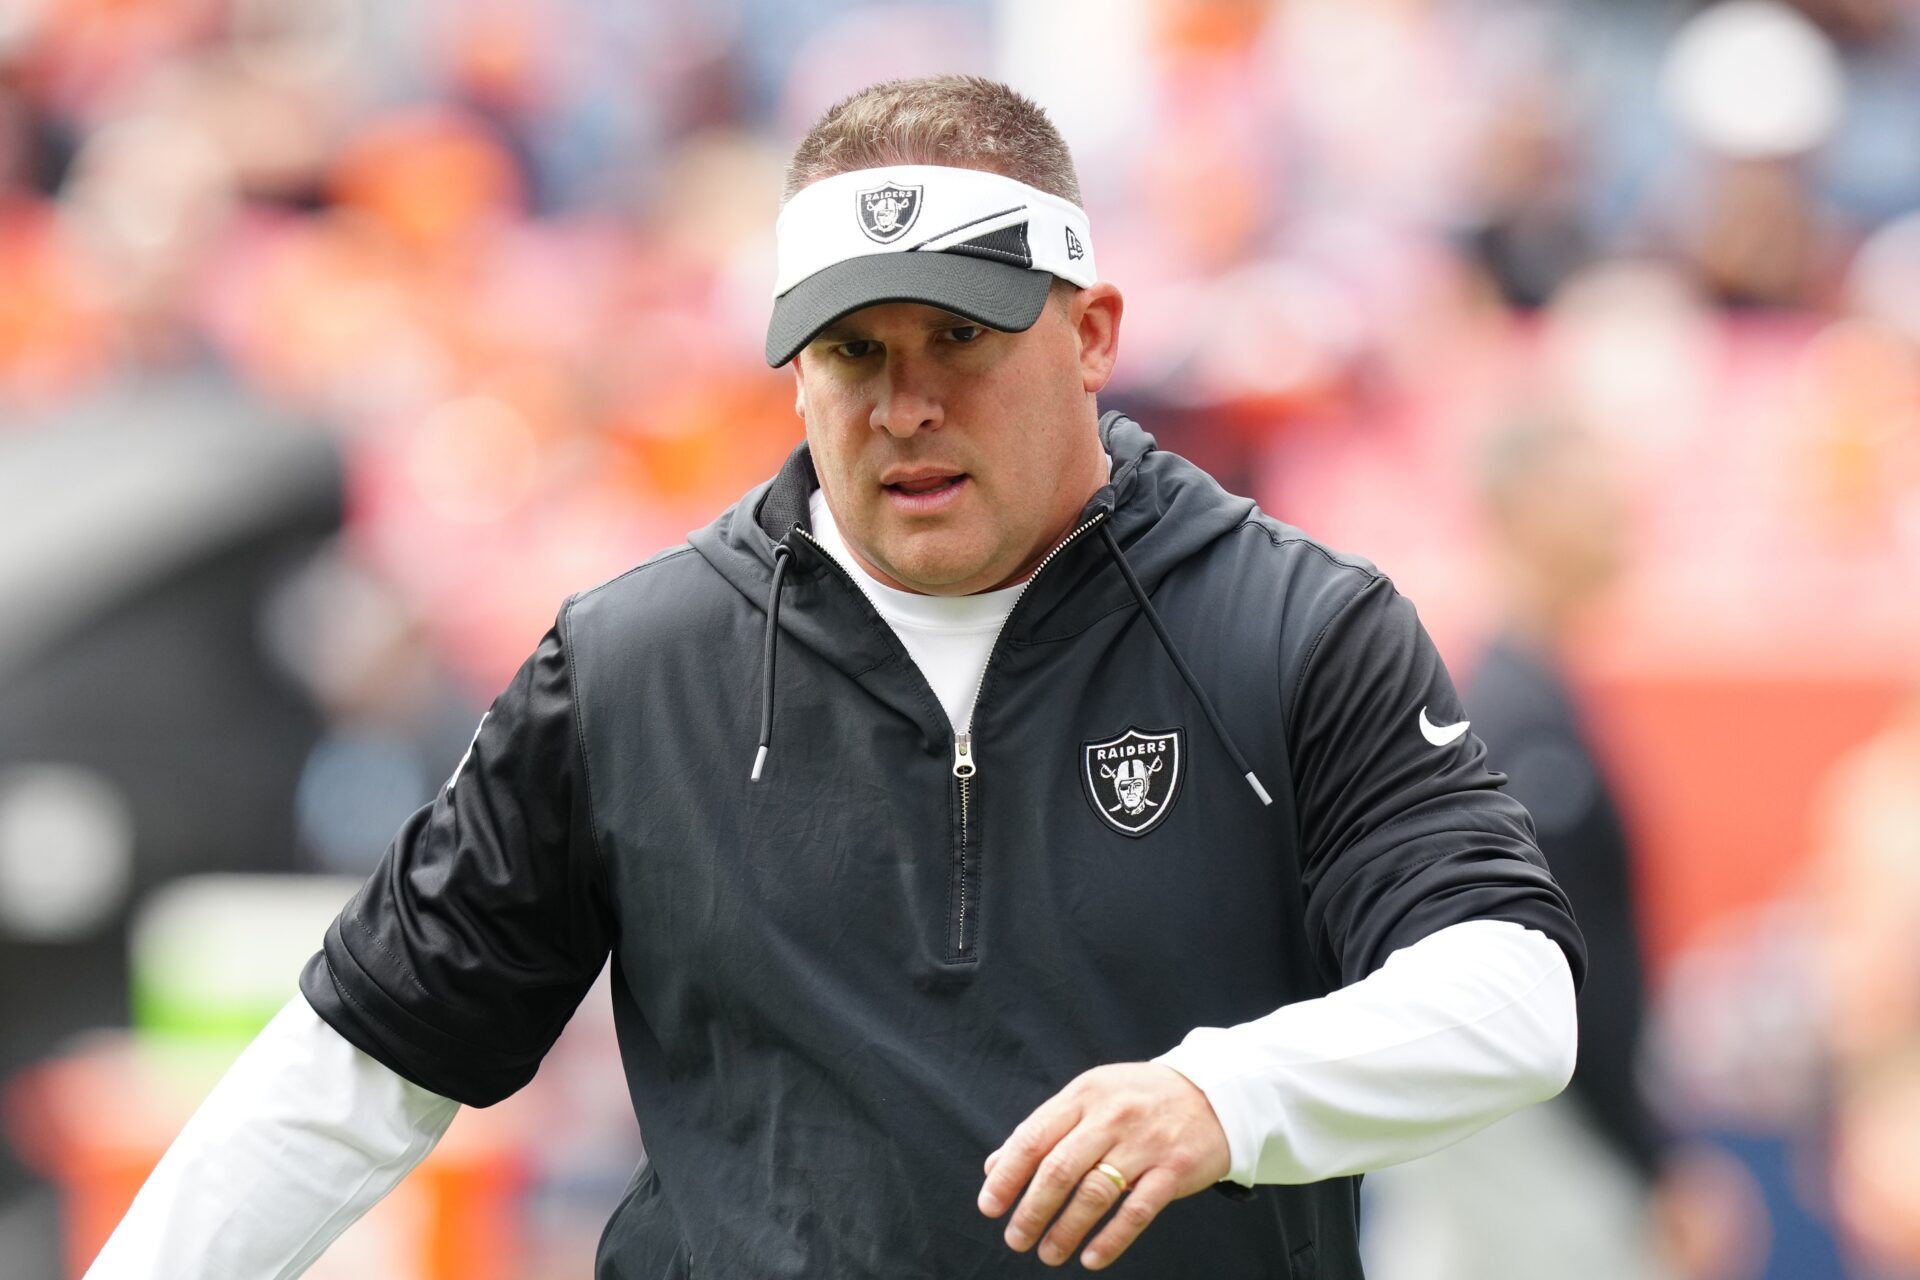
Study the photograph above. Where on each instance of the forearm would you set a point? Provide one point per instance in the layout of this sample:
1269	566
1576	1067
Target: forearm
1450	1034
302	1135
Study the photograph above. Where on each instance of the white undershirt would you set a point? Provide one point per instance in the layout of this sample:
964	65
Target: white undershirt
302	1135
948	637
305	1132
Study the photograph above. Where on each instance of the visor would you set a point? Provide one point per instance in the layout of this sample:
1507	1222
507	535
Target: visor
978	244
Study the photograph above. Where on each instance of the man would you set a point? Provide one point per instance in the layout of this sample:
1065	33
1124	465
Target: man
918	936
1582	1168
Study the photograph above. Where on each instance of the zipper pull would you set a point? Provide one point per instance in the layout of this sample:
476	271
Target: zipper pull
963	755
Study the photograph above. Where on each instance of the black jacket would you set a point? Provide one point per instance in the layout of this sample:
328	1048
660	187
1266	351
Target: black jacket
839	987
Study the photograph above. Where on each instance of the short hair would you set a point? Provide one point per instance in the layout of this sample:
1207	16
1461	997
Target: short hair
968	122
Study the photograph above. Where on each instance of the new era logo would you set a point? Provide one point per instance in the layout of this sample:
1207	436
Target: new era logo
1074	250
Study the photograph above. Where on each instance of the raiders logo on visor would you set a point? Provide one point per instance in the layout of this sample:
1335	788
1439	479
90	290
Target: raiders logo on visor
887	212
1132	780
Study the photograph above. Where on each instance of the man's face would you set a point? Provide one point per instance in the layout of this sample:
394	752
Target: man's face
1572	517
953	456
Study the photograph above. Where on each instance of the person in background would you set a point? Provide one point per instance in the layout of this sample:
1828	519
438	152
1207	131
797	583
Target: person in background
1592	1184
1866	899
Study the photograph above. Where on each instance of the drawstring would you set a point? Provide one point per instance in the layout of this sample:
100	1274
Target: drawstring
782	553
1180	665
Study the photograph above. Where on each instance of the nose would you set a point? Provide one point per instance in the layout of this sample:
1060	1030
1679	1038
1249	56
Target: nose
907	402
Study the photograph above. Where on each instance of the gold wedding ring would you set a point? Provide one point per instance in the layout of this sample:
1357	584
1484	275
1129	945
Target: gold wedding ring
1119	1179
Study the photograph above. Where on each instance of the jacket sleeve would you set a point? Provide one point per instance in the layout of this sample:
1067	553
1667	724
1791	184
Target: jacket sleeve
464	954
1404	829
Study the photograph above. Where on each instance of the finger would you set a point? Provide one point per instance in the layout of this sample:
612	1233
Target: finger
992	1157
1023	1150
1151	1193
1057	1178
1089	1203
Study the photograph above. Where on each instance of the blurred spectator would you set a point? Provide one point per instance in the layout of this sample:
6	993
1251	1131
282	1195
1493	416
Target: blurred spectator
1867	895
1757	90
1525	220
395	724
1555	502
1589	1184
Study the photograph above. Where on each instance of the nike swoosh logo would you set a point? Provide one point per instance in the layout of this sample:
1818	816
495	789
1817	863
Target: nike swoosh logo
1441	734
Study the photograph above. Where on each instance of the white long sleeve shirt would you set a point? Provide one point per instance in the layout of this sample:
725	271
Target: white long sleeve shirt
306	1132
302	1135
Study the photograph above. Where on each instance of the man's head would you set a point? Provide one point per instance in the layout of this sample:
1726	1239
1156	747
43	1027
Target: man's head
1556	504
950	332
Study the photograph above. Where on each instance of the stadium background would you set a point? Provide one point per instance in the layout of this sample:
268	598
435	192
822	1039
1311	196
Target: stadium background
339	341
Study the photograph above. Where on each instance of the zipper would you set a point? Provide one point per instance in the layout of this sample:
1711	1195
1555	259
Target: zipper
838	568
965	767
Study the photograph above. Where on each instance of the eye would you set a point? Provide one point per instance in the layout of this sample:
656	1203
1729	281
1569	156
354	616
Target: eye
964	333
857	349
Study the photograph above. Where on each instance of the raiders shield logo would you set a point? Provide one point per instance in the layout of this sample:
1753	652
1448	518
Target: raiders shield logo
887	212
1132	780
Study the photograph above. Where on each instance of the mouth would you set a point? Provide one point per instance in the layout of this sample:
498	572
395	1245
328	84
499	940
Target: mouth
923	490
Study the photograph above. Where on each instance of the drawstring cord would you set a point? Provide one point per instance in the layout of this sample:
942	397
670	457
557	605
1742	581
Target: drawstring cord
1180	665
782	554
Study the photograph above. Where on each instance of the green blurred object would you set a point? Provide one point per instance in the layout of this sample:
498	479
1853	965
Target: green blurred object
215	957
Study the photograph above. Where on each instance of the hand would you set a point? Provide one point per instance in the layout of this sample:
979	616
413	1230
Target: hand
1148	1121
1710	1216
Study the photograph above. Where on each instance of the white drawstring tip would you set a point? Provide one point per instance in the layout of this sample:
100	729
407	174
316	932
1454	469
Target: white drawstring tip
759	759
1251	781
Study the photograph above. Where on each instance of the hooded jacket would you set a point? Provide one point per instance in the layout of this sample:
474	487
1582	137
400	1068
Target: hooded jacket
841	985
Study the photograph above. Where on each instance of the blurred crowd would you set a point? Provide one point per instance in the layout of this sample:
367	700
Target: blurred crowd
478	288
515	255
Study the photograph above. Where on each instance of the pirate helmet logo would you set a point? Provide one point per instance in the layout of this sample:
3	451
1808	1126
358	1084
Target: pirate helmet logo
886	212
1132	780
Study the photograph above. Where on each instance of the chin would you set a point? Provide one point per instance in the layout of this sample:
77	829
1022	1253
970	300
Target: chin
936	581
937	574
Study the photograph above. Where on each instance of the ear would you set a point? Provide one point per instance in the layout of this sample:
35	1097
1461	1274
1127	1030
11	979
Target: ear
799	392
1094	314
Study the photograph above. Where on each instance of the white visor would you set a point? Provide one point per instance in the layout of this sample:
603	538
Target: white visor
978	244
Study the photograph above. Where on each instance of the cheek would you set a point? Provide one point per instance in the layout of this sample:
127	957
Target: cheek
1042	398
835	428
826	398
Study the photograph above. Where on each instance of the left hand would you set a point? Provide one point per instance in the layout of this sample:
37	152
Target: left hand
1148	1121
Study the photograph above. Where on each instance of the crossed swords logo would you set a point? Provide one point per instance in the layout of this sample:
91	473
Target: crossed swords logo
1130	785
886	212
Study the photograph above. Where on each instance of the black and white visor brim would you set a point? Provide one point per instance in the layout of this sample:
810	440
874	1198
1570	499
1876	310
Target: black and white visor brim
983	246
993	294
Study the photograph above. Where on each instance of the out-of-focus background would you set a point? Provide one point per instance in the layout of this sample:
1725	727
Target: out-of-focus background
340	340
